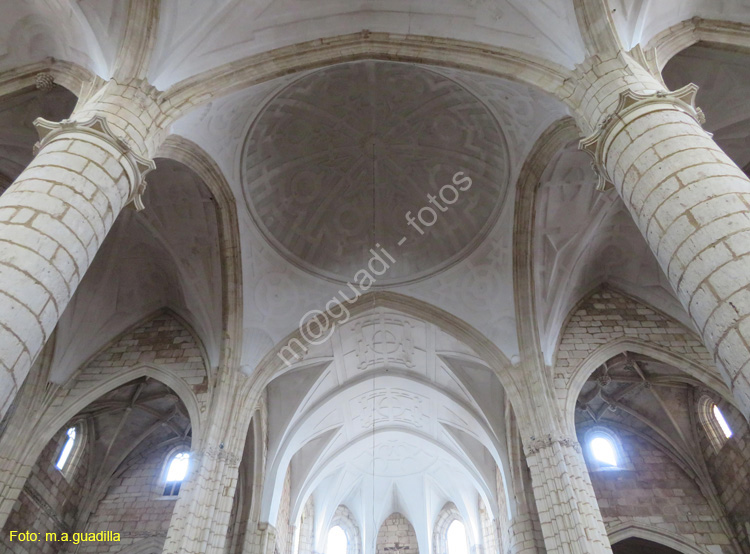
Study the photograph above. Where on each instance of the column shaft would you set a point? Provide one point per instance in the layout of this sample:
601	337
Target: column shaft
691	203
568	510
200	522
53	220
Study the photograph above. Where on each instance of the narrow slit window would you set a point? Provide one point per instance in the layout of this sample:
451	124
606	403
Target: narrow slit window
67	449
722	422
176	472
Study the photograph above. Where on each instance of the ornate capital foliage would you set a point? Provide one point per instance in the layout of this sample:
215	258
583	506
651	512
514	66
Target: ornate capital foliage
630	107
136	166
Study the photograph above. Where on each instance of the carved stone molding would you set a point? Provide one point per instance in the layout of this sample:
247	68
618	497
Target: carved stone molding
631	106
218	453
44	82
538	444
135	165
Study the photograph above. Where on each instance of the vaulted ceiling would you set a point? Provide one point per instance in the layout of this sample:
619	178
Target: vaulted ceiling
392	414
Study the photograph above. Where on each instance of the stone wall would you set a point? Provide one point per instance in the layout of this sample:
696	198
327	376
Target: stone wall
608	315
730	471
307	529
49	501
657	493
397	529
134	505
284	530
489	531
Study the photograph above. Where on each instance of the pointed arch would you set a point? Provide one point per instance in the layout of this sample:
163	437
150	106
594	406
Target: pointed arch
272	365
198	160
673	40
624	531
694	370
505	63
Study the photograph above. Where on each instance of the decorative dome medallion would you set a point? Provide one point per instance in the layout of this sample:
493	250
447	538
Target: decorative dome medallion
333	163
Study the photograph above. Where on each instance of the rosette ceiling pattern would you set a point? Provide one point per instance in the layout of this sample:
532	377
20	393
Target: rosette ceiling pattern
333	163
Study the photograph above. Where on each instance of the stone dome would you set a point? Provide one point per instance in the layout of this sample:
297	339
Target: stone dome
335	161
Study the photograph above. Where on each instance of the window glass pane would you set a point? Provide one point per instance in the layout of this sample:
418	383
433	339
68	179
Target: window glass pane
67	448
337	541
456	538
178	467
722	422
604	451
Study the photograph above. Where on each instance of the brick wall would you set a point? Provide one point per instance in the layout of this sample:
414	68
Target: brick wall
730	470
657	493
396	528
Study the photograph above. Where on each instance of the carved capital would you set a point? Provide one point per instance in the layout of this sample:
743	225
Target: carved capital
630	107
136	166
536	445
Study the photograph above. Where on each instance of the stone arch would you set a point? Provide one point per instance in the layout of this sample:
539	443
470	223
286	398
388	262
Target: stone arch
396	528
624	531
695	371
344	518
199	161
560	134
88	384
445	518
69	75
505	63
272	365
673	40
634	326
66	411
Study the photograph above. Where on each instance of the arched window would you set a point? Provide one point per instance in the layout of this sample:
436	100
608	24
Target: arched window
603	451
455	538
66	451
337	542
176	472
714	423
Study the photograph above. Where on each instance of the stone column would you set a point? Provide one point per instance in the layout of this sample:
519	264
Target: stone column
54	217
566	504
568	510
690	201
200	521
